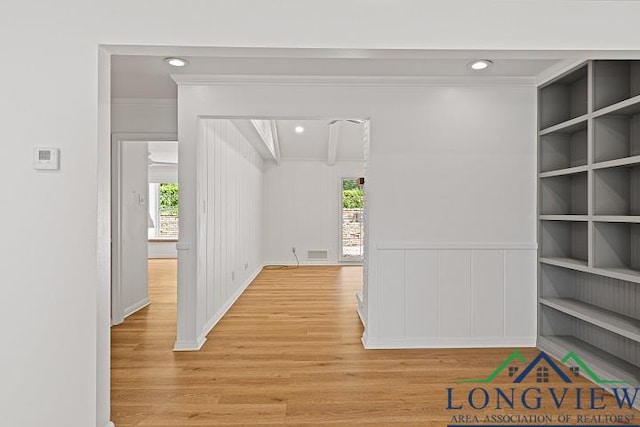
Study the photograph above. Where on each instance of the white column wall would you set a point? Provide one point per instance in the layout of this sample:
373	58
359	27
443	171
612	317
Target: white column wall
449	166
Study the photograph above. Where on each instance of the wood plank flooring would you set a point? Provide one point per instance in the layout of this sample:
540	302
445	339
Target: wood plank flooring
288	353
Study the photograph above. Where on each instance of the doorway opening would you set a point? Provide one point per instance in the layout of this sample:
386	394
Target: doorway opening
144	216
352	220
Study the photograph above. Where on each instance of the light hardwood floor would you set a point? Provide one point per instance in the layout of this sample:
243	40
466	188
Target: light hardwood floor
288	353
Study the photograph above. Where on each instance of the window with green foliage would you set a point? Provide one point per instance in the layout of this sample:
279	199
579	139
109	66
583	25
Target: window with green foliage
352	195
169	199
163	210
352	217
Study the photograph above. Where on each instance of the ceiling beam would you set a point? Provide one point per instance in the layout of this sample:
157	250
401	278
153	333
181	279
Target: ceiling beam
276	141
334	136
255	137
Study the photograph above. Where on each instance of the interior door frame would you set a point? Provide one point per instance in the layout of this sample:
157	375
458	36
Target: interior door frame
117	308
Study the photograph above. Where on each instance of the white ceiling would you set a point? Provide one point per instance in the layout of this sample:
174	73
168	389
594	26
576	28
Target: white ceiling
138	76
148	76
313	143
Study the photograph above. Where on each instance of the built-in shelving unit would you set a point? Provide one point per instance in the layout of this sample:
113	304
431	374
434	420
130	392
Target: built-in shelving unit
589	217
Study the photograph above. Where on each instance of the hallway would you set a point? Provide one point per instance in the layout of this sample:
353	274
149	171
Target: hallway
288	353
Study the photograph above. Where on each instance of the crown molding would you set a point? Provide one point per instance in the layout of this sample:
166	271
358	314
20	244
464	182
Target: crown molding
371	81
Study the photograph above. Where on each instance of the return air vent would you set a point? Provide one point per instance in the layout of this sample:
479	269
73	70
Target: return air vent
317	255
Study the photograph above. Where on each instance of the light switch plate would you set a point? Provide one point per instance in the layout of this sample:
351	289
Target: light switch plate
46	159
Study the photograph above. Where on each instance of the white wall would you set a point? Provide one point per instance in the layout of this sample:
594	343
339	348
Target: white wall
302	209
234	227
53	272
448	165
144	116
162	250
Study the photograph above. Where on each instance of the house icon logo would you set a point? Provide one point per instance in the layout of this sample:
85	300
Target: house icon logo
542	366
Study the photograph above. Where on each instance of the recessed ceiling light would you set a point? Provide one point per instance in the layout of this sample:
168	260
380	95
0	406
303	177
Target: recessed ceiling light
480	64
299	129
176	62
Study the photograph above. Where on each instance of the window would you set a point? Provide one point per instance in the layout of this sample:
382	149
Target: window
352	224
542	374
513	370
163	211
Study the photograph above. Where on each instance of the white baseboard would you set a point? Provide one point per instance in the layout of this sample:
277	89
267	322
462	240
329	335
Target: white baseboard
223	310
163	256
188	345
361	317
317	263
197	345
136	307
426	343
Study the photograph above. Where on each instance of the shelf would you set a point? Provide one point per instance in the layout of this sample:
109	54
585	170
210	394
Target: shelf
605	319
563	172
589	212
626	161
564	218
564	99
590	287
617	218
618	273
569	127
603	364
616	136
564	194
615	81
617	191
572	263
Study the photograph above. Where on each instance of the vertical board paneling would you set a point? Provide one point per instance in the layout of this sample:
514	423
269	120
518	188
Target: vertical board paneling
453	297
520	294
487	269
455	293
421	293
391	294
234	212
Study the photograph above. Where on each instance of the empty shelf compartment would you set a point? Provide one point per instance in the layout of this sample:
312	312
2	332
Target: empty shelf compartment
565	240
616	136
617	247
615	81
564	195
564	99
564	149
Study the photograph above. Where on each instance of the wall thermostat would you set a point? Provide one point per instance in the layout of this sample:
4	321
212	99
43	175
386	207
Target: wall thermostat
46	159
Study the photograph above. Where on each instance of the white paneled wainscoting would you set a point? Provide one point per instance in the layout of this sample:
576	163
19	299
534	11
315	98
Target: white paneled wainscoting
448	295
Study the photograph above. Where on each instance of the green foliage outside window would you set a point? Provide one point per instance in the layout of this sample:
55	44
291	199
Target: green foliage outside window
169	199
353	198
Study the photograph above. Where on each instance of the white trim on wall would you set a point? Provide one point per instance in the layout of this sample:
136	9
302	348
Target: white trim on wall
457	245
372	81
421	343
136	307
